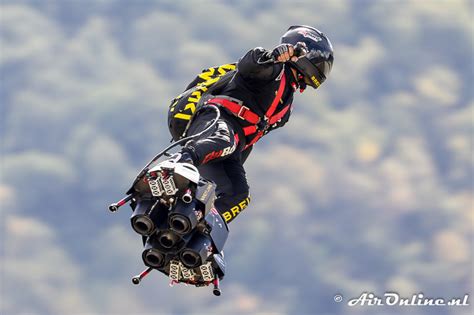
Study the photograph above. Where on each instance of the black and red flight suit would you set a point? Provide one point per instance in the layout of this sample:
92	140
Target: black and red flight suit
257	90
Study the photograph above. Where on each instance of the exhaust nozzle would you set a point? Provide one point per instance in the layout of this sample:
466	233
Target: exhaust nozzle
148	216
168	239
143	225
183	219
190	259
197	251
153	258
180	224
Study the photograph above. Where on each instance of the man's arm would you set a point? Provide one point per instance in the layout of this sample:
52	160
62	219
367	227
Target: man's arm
262	64
254	65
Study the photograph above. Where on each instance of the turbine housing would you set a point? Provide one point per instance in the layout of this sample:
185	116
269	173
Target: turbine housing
168	239
146	217
184	217
197	250
152	256
209	240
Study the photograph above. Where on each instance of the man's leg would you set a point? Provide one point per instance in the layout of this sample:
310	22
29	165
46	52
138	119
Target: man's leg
216	154
217	144
232	188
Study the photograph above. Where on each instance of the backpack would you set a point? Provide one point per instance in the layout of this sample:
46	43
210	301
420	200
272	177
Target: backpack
184	106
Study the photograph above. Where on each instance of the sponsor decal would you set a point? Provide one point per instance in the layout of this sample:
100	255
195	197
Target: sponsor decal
221	153
169	185
206	192
311	35
313	78
188	274
155	187
234	211
206	272
174	271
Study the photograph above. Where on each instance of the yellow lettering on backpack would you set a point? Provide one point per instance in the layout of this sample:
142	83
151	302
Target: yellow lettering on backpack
196	93
195	99
221	71
182	116
191	106
229	66
206	75
225	68
207	83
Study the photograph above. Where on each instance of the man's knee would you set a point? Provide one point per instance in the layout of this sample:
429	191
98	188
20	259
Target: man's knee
230	213
218	145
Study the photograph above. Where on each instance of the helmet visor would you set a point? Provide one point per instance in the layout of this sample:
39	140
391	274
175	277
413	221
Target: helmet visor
314	75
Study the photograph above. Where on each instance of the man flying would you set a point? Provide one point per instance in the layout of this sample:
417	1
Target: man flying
254	97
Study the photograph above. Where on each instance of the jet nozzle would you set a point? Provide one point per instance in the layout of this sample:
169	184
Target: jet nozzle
153	258
143	225
148	216
168	239
180	224
197	251
183	219
190	259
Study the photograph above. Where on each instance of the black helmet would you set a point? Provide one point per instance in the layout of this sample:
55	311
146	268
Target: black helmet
317	62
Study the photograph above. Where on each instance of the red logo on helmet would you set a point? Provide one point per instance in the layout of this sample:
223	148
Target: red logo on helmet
311	35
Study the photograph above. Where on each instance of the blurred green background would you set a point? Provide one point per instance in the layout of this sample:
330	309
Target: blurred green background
367	189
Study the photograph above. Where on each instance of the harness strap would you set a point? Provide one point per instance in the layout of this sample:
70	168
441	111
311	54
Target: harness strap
279	115
237	108
249	130
254	140
278	96
252	129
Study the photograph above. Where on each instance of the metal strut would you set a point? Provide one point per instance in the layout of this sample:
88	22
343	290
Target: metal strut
217	290
114	207
136	280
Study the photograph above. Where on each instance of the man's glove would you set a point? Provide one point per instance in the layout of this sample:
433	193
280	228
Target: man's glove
283	52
